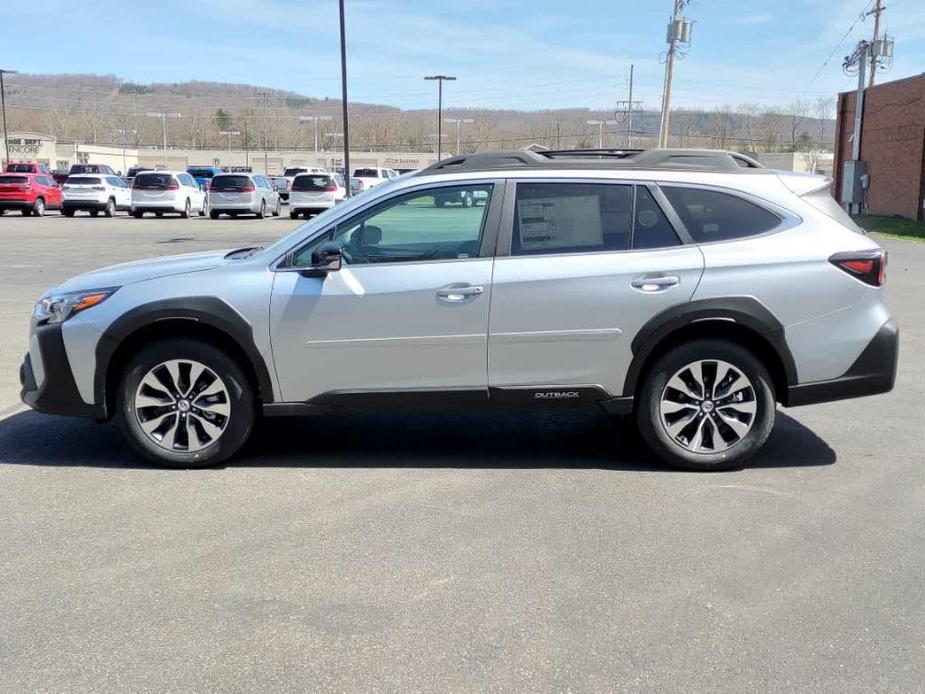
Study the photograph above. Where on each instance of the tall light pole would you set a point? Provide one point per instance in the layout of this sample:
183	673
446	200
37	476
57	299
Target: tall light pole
228	135
343	86
6	134
601	123
315	119
440	80
163	116
123	132
459	122
679	32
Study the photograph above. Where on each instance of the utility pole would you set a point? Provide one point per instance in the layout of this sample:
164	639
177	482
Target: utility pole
440	80
246	150
6	133
459	122
627	107
315	119
679	32
878	9
163	116
601	123
123	132
343	86
228	135
266	119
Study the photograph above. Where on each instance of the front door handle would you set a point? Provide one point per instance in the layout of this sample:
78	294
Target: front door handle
458	293
659	283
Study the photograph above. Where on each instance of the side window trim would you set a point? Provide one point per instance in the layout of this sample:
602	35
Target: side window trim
673	218
490	229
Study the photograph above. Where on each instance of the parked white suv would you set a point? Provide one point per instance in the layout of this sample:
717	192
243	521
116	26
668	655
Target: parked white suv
372	176
314	193
167	191
95	194
694	290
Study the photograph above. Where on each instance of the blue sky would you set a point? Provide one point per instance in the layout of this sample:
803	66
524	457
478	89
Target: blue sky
529	54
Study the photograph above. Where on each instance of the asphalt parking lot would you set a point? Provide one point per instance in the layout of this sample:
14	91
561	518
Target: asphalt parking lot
452	553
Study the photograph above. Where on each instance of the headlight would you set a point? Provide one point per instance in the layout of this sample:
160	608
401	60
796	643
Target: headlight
59	307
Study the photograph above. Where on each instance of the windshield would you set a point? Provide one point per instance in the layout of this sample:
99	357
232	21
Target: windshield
22	168
294	171
85	168
201	173
322	221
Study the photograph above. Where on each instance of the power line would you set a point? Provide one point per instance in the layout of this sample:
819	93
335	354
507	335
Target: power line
825	62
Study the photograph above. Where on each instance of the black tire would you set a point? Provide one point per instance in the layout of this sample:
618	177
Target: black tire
187	209
94	213
263	210
138	214
158	214
241	394
213	214
38	209
205	208
648	413
67	213
278	209
293	214
110	210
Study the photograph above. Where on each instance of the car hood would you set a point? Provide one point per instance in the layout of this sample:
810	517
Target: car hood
141	270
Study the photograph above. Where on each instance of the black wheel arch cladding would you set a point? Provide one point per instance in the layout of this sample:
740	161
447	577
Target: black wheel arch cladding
206	311
742	311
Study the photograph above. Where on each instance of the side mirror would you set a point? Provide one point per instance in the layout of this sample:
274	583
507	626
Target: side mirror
327	258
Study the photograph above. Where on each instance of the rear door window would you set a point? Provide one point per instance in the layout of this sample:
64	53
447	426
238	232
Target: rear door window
710	215
572	218
651	228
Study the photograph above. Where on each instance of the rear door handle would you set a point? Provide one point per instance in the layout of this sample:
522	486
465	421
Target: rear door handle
658	283
458	293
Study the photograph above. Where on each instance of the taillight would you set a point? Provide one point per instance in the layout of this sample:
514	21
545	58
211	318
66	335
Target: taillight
867	266
171	186
248	188
330	188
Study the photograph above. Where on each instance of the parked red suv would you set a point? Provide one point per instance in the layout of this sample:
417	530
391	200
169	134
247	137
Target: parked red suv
30	193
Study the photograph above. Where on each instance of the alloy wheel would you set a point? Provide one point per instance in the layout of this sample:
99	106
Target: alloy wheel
182	405
708	406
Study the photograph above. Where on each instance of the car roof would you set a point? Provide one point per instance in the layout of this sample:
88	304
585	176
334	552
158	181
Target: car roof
704	160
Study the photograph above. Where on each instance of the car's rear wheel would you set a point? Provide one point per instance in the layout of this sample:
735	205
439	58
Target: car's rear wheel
187	209
138	214
38	209
293	214
278	209
184	403
205	208
110	209
213	214
67	213
706	405
263	210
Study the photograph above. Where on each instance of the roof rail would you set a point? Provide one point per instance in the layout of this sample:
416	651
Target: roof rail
668	159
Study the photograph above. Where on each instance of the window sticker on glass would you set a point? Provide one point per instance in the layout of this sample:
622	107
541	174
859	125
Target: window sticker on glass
561	222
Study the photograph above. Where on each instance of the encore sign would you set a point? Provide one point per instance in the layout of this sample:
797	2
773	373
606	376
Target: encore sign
25	149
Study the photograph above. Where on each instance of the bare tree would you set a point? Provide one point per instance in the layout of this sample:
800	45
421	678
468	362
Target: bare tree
823	110
799	111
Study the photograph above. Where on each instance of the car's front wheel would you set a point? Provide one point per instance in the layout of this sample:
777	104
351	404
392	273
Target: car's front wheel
184	403
706	405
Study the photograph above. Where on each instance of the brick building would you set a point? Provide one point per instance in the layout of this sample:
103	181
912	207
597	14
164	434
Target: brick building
892	145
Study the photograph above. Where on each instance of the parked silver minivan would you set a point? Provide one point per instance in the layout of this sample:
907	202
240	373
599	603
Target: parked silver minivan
243	193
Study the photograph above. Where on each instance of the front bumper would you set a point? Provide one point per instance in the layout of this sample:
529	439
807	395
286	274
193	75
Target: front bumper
872	373
57	393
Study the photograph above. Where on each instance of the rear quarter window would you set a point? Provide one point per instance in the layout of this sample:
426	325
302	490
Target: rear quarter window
710	215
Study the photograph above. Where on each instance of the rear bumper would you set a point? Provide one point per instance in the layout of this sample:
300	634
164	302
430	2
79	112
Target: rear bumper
83	205
17	204
872	373
144	207
57	393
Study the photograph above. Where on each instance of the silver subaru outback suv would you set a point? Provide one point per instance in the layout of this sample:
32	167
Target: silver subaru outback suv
694	290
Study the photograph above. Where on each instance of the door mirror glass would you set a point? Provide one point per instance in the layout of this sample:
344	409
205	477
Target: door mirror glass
327	257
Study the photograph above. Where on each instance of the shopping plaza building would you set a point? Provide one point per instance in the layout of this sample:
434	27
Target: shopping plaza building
60	156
